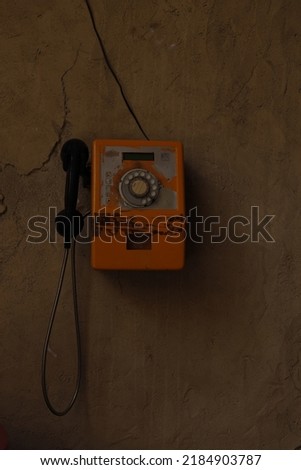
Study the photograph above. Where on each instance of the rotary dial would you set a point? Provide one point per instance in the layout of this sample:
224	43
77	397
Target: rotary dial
139	188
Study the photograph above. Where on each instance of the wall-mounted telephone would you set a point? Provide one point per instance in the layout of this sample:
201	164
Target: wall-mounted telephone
137	204
138	214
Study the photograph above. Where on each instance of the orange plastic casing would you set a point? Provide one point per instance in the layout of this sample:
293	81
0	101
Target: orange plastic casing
165	225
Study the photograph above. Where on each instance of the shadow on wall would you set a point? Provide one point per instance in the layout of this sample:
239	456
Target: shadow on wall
207	267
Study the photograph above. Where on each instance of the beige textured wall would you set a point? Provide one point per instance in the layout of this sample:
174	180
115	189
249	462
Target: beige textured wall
204	358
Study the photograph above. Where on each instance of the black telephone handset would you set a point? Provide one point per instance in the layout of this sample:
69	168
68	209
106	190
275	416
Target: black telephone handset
69	222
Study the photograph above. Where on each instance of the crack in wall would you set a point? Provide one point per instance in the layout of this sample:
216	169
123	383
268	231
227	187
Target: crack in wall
65	118
3	208
62	128
112	70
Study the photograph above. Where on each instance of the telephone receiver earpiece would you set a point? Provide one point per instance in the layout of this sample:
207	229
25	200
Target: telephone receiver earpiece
75	149
69	222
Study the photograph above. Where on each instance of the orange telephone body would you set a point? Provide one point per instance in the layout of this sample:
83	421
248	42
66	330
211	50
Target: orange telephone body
138	205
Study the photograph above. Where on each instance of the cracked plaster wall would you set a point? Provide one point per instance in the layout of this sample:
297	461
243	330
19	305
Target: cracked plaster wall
204	358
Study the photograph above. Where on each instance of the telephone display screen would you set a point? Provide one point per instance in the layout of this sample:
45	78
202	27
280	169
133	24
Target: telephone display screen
144	156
